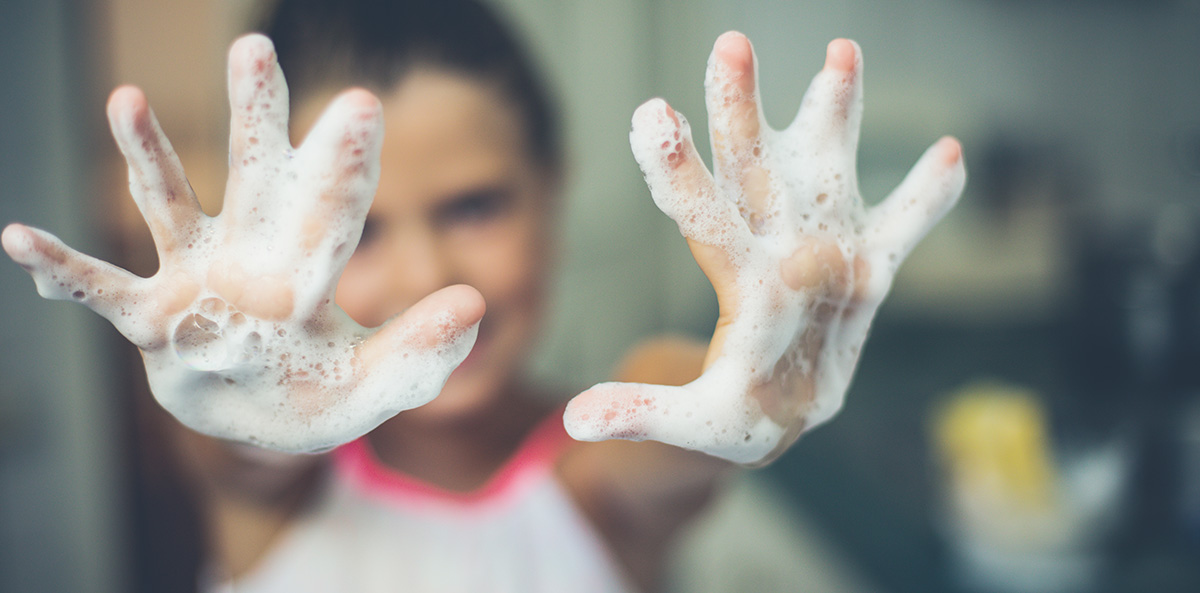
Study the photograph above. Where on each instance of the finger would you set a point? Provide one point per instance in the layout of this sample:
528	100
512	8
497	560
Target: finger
63	274
735	126
341	158
927	193
676	416
443	323
679	182
156	178
731	94
258	103
629	411
831	113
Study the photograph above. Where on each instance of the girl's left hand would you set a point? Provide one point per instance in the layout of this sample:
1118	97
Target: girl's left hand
799	263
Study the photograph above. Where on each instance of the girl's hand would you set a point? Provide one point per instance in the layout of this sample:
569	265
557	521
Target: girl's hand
799	264
238	328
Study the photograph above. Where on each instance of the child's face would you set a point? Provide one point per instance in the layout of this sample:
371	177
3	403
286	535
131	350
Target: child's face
459	202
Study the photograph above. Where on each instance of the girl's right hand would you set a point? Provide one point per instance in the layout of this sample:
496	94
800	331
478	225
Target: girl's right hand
238	328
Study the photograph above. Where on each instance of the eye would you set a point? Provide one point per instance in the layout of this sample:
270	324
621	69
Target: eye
473	207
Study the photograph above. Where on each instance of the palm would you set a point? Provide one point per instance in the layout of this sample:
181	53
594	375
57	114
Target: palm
800	265
238	329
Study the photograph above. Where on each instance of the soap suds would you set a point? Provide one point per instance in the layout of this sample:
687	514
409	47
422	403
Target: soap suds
238	330
812	264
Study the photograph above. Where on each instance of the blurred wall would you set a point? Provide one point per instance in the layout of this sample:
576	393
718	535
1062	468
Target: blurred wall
60	515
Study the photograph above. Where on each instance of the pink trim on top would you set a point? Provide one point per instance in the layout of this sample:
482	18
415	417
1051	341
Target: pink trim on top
535	456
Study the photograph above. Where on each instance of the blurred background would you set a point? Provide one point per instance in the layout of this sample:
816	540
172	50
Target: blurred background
1026	416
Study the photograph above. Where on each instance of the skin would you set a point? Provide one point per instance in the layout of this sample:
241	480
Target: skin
460	219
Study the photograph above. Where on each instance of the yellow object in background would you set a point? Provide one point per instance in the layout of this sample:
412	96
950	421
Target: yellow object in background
1020	514
993	440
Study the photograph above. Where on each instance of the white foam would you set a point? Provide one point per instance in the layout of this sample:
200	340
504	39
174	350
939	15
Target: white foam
286	386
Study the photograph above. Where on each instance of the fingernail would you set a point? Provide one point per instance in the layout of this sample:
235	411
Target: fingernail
839	55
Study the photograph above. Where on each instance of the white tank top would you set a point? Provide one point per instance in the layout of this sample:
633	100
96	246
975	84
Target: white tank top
377	530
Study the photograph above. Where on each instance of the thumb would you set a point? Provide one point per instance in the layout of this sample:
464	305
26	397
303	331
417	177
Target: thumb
686	417
443	322
630	411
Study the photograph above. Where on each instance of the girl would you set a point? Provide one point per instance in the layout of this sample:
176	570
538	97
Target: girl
481	488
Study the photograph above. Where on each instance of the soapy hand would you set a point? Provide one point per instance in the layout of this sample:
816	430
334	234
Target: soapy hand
238	328
799	264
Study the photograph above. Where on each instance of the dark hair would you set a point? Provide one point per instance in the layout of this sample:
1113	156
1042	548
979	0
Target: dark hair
375	43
